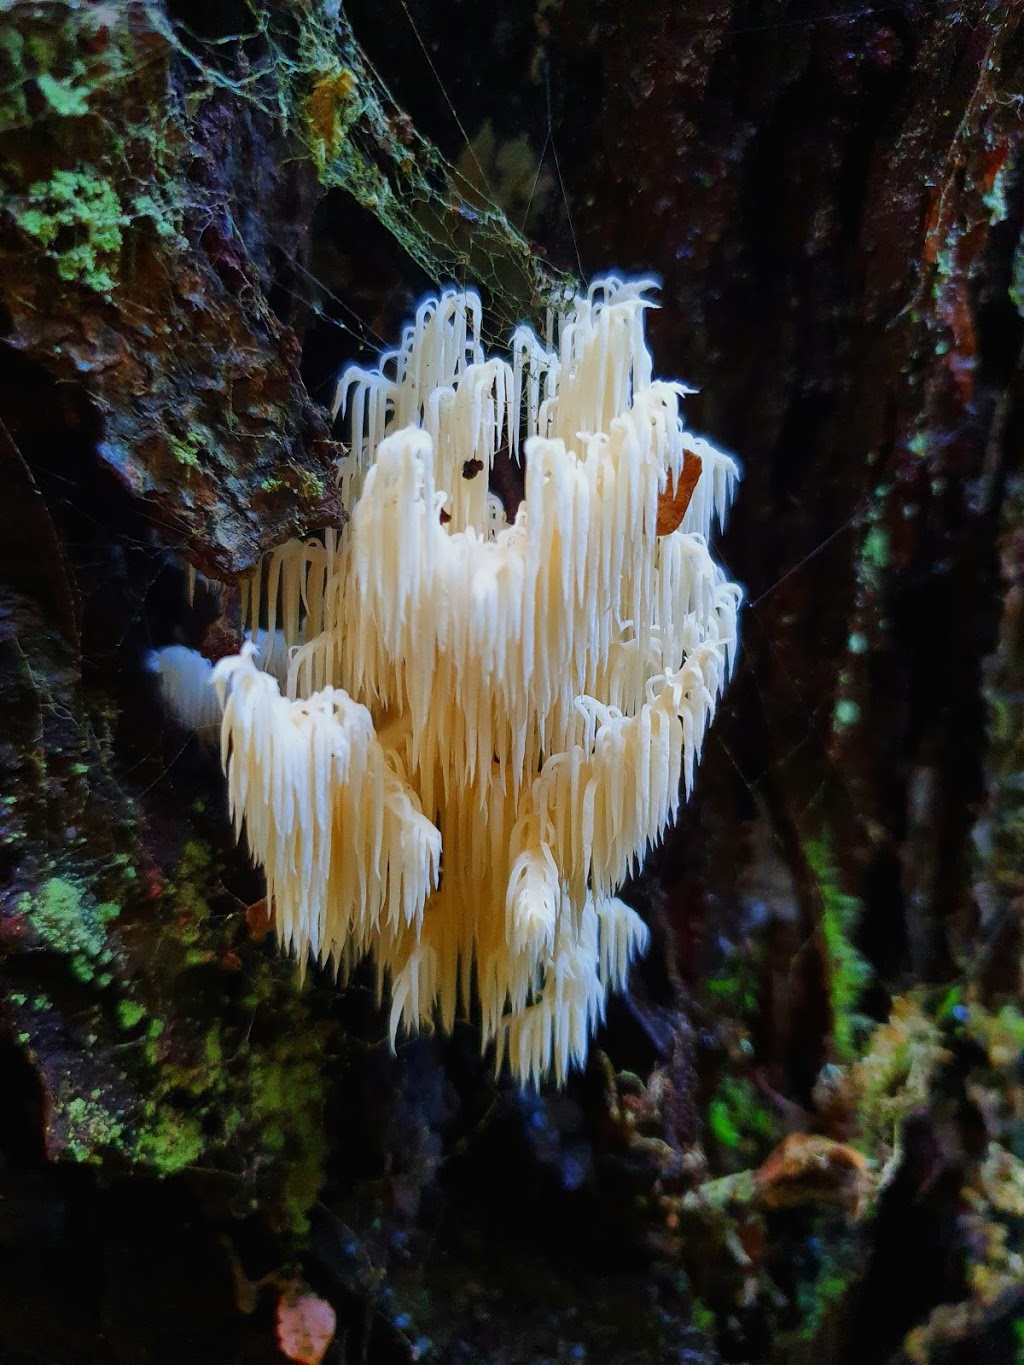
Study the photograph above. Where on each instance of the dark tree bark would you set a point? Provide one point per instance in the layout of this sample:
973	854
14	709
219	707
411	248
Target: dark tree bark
799	1138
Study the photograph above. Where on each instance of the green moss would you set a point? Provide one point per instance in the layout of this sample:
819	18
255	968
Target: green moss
848	973
83	67
214	1051
287	1088
260	1103
78	219
738	1118
950	1003
129	1013
234	1083
1001	1033
70	922
186	450
310	484
824	1295
702	1316
169	1141
733	988
721	1124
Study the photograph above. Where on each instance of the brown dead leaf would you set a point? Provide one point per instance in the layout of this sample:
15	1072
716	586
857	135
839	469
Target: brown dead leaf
258	919
305	1325
672	504
806	1168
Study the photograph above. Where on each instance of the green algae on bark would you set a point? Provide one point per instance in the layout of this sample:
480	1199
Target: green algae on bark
120	187
161	1039
123	272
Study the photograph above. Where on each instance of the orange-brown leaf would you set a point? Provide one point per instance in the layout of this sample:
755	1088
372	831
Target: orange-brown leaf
672	504
808	1169
258	919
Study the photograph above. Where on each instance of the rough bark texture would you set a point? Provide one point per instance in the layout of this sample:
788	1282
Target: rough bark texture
800	1139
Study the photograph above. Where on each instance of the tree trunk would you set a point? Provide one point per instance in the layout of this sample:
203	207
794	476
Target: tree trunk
798	1139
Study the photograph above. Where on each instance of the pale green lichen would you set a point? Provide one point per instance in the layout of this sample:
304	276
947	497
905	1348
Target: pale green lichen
78	219
159	1137
92	1129
311	484
161	214
72	923
994	196
845	713
63	96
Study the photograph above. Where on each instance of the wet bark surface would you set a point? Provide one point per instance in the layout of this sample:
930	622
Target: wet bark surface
799	1138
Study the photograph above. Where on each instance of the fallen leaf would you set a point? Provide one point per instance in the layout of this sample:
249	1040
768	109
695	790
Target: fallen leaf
808	1169
305	1325
672	504
258	919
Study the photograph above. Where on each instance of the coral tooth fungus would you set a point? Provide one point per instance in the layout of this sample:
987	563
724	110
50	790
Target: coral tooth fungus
482	726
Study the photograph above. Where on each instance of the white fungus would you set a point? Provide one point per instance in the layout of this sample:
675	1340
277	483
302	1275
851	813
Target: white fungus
484	726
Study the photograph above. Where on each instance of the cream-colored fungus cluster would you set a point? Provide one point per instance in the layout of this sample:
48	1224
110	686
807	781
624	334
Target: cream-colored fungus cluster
481	727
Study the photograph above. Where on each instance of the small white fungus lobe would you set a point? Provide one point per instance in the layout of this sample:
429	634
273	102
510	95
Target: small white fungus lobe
481	727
